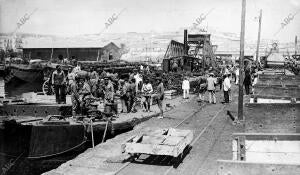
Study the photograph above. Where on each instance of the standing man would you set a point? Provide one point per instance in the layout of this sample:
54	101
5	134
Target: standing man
71	78
185	88
108	91
237	75
211	82
138	80
160	96
74	89
247	81
58	80
147	91
226	88
132	95
94	78
202	88
123	95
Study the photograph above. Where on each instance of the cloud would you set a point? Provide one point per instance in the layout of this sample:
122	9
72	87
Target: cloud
295	2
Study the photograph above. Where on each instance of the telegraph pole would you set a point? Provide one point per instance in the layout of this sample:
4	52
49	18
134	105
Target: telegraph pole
241	61
258	38
296	41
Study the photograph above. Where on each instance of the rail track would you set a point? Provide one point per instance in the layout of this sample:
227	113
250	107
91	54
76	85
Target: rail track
150	164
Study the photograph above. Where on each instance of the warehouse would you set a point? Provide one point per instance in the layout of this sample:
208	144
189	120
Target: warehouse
108	52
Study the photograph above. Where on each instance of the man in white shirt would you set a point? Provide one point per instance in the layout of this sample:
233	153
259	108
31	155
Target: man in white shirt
237	73
138	80
185	88
226	88
147	92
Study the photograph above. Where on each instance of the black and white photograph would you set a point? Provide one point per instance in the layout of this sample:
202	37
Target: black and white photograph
149	87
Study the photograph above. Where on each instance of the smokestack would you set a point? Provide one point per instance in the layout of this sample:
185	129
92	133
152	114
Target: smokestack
185	43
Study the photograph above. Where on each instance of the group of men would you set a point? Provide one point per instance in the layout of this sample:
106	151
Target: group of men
106	88
227	75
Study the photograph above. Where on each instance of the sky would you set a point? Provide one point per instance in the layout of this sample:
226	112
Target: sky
75	17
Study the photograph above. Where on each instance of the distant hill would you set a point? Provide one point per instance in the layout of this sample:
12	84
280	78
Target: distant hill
142	46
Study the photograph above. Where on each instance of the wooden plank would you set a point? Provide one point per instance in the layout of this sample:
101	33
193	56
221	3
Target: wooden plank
226	167
268	136
152	149
170	142
153	139
241	148
272	118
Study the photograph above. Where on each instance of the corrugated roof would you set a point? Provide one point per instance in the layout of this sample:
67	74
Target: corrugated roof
64	43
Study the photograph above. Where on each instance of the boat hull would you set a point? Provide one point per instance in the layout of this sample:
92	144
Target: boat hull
27	73
32	144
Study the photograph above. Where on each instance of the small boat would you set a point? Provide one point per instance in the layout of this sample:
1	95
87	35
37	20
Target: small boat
28	72
31	138
34	139
36	70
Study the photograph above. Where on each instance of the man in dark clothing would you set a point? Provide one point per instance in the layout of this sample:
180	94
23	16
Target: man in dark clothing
74	89
247	81
58	80
160	96
131	91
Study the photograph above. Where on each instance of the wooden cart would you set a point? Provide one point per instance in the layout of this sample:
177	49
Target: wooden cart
169	142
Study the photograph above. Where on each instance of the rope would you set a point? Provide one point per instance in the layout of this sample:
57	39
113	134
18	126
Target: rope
77	146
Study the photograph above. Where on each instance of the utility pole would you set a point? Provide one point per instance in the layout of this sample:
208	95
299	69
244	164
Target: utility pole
296	41
241	61
258	38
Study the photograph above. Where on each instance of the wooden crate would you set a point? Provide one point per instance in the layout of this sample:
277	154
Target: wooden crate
170	94
169	142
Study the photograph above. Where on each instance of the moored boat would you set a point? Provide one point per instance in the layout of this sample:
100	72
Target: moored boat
28	72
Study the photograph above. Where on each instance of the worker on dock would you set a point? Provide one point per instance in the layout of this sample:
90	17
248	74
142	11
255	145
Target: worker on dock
237	75
202	88
160	96
58	80
74	89
138	80
185	88
122	90
86	89
247	81
70	79
211	83
103	74
77	68
94	78
108	91
147	92
226	88
132	95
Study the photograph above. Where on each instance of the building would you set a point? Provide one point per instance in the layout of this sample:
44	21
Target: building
82	53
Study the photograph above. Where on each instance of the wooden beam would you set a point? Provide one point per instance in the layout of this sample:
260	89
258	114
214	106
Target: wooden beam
268	136
226	167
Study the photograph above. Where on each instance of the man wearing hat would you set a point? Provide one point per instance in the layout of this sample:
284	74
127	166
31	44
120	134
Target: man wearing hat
58	80
108	90
211	82
122	89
